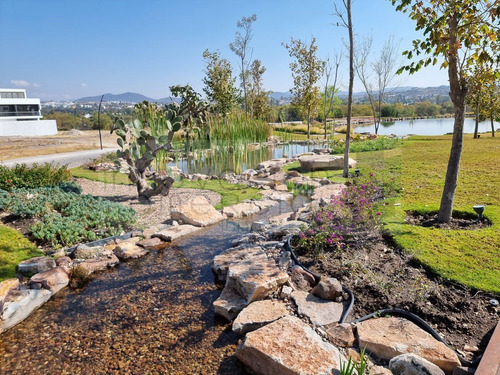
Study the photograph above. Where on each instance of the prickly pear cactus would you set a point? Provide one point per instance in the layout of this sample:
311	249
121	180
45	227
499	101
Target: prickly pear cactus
140	143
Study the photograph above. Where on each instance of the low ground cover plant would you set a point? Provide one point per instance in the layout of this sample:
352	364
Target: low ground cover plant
32	176
351	210
360	145
63	216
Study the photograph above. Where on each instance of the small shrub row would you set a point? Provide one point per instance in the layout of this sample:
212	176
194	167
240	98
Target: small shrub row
32	176
64	217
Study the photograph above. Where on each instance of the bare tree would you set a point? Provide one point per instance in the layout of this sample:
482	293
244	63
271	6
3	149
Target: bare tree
240	48
346	21
385	71
362	66
330	90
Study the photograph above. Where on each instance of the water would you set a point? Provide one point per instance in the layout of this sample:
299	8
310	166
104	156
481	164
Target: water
153	315
425	127
238	162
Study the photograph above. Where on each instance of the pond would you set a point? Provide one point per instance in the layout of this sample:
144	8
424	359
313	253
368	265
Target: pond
436	126
153	315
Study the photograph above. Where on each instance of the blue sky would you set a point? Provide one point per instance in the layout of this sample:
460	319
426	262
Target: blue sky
73	48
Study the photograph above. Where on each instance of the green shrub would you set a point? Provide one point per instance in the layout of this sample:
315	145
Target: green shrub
64	217
32	176
381	143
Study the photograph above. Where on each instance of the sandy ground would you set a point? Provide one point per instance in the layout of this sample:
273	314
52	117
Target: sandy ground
65	141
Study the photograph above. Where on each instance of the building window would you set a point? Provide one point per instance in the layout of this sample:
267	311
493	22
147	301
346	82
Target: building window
10	95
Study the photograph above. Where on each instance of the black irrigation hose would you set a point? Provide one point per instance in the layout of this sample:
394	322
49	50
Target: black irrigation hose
396	312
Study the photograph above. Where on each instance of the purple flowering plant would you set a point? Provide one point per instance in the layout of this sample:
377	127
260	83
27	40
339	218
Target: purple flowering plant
334	223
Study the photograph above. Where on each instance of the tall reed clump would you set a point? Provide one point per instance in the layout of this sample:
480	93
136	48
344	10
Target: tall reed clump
236	130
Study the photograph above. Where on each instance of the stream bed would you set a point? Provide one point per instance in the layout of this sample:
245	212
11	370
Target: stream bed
153	315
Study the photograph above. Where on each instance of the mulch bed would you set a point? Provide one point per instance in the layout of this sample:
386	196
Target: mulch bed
381	276
457	223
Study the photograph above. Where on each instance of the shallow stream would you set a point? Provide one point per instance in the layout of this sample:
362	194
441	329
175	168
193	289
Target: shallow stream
153	315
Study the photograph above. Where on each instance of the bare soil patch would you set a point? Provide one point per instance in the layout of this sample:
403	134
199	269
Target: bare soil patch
65	141
466	222
381	276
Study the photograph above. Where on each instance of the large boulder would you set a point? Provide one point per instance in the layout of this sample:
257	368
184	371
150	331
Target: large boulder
35	265
328	288
83	251
20	305
272	163
198	212
258	314
412	364
240	210
390	337
321	312
288	346
54	280
230	302
325	193
310	163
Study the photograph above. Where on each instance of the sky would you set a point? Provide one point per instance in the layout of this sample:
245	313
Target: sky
67	49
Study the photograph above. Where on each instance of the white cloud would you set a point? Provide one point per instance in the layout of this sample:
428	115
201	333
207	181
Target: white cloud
20	83
84	85
35	85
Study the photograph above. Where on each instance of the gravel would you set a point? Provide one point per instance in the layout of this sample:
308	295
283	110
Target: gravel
148	214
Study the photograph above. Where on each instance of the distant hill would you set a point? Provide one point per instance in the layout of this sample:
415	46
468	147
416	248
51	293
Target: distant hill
403	94
126	97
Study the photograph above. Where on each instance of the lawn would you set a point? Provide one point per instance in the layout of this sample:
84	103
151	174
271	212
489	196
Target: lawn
471	258
14	248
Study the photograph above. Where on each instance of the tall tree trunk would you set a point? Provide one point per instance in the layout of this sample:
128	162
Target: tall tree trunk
458	92
351	84
309	123
492	126
476	126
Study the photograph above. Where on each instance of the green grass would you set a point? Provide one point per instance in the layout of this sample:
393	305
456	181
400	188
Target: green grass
14	248
230	193
471	258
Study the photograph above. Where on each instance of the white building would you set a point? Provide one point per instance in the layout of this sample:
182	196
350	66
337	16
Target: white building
20	116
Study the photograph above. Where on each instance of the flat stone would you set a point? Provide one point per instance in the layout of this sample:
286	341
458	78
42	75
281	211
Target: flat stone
324	162
148	232
390	337
319	311
100	264
265	203
20	308
85	252
278	176
6	288
412	364
230	302
328	288
291	227
280	219
240	210
301	279
278	195
175	232
340	334
290	347
272	163
236	255
258	314
54	279
35	265
153	244
127	250
326	192
198	212
256	280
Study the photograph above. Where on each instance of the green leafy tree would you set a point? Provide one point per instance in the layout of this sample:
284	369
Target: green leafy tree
258	98
306	72
491	103
240	47
219	83
463	33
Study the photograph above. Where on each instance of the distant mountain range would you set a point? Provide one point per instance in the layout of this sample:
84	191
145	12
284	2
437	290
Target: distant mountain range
397	94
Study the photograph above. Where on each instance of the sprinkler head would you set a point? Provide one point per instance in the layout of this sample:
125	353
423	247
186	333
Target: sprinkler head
494	302
479	209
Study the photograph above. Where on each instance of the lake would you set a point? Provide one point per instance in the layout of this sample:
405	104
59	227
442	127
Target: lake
435	126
